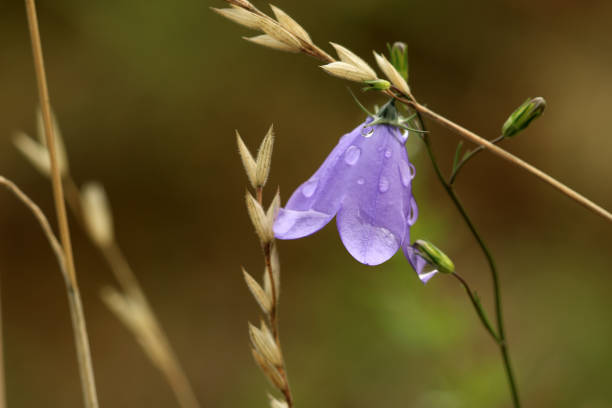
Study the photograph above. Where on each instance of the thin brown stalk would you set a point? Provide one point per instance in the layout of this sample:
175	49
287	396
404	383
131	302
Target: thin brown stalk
55	246
42	220
474	138
76	307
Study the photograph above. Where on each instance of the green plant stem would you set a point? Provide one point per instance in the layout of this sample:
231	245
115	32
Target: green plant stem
459	166
501	337
477	306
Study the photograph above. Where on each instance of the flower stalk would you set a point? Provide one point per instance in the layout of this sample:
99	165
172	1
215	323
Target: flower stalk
500	336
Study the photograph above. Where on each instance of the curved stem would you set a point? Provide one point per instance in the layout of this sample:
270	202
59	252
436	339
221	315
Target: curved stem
496	285
467	157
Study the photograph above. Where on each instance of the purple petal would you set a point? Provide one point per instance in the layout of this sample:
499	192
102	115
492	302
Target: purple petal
418	263
373	220
316	201
290	224
426	276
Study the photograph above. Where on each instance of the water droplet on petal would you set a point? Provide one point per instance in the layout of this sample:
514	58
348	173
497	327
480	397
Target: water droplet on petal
388	153
383	184
387	236
352	155
405	135
361	181
414	212
407	172
367	131
309	188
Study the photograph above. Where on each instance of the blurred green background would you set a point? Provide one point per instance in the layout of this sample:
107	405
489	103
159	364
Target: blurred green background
148	94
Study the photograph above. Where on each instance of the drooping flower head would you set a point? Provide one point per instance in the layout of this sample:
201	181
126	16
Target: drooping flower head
366	183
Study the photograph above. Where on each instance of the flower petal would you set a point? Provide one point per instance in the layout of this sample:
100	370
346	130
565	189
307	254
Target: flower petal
316	201
372	221
418	263
292	224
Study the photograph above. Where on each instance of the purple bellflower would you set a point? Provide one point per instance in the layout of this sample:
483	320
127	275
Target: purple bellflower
366	183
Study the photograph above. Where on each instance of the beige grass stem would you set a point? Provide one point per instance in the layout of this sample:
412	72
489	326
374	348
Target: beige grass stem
40	217
76	308
55	246
474	138
74	298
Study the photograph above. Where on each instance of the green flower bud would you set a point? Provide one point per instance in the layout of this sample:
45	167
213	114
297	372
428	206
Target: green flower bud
523	115
434	256
377	84
399	58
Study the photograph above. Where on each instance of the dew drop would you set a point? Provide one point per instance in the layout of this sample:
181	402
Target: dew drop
407	172
352	155
388	237
413	212
361	181
367	131
405	135
383	184
309	188
388	153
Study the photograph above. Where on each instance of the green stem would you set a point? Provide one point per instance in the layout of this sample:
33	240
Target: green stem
501	337
477	306
457	167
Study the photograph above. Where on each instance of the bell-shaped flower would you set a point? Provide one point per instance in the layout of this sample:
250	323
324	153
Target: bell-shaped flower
366	183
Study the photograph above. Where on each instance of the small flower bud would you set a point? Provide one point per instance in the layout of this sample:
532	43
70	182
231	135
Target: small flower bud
523	115
378	84
399	58
435	256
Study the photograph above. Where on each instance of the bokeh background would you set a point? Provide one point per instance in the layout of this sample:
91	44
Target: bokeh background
148	94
